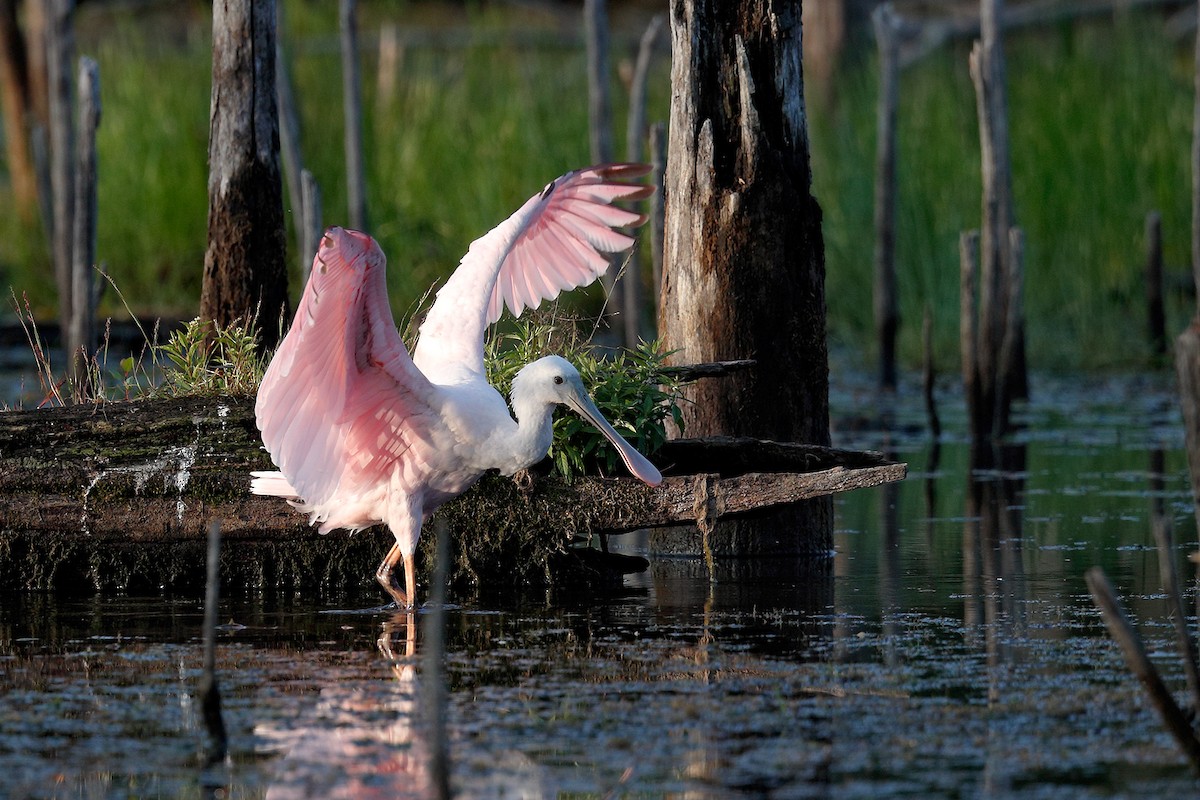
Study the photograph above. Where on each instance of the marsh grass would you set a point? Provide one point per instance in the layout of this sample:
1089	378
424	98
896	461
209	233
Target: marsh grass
101	380
1099	116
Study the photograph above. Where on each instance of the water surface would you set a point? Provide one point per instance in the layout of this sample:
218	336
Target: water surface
949	649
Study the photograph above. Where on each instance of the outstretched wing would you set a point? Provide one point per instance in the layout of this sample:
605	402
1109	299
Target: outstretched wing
555	242
342	400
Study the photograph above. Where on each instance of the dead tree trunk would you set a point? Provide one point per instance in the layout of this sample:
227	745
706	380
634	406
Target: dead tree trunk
1001	366
600	143
60	54
630	283
1156	319
887	311
289	136
14	104
356	184
658	207
245	275
80	328
744	266
595	27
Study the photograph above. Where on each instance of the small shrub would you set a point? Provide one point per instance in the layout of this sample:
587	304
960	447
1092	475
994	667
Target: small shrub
204	358
628	386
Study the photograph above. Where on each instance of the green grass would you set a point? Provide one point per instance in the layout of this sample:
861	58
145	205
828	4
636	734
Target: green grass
1099	117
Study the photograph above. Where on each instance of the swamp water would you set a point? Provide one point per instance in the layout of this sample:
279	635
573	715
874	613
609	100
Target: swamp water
951	651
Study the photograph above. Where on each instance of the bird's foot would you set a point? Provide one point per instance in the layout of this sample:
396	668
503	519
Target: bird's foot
400	600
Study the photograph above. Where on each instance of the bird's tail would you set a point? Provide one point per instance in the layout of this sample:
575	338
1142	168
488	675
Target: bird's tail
272	484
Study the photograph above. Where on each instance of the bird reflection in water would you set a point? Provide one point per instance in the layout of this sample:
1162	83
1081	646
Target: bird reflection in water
362	741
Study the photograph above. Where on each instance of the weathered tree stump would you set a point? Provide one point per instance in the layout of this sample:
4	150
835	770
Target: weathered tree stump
245	274
744	263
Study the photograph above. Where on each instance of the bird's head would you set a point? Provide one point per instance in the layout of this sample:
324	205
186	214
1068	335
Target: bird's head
554	381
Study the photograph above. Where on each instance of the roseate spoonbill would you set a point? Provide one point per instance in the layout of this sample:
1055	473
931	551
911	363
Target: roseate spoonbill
363	433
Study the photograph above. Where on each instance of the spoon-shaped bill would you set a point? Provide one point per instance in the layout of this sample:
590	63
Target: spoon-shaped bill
637	463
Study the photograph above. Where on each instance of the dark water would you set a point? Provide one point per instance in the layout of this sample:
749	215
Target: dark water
952	651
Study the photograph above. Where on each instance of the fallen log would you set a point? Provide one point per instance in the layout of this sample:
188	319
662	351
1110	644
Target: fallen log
121	495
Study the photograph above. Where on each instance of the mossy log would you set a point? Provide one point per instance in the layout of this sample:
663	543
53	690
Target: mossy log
120	495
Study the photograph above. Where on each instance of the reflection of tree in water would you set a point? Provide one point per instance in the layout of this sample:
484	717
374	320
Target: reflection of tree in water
993	572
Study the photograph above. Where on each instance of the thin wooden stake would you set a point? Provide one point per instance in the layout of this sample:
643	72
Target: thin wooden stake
81	334
995	287
886	307
595	28
1156	322
595	31
311	226
356	193
1140	665
1170	581
209	693
289	137
929	375
968	335
1006	361
60	48
658	205
635	131
631	281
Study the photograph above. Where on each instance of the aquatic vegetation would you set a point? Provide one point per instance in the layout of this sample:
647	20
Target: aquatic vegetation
207	359
630	387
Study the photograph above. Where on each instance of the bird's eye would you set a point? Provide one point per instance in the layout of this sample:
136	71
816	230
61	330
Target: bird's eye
558	379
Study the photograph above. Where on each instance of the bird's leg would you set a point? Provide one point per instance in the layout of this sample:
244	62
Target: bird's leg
410	579
386	575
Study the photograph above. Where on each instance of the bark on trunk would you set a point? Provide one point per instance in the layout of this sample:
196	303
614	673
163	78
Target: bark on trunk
744	269
245	275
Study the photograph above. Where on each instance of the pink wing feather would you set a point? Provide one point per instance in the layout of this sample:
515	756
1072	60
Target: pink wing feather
341	401
556	241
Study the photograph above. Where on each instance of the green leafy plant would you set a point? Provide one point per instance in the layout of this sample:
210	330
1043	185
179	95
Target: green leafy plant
205	358
630	387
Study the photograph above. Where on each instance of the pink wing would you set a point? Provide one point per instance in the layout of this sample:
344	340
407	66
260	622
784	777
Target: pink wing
555	242
341	400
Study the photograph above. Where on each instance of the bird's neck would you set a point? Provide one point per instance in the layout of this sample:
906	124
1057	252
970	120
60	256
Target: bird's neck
535	431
